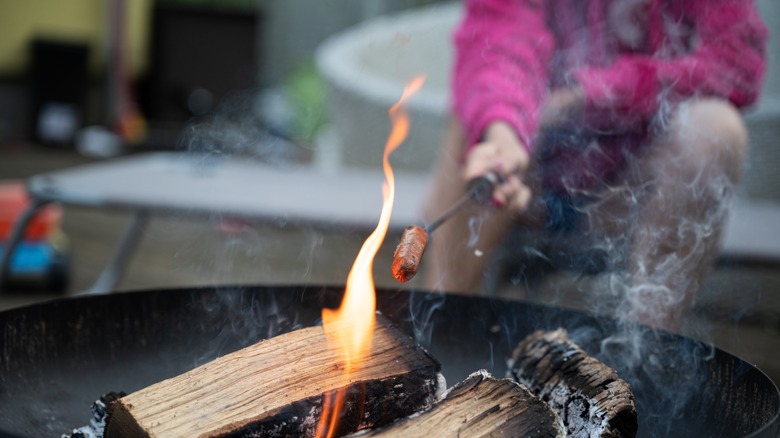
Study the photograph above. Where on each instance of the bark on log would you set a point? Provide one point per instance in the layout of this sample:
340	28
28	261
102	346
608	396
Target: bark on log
276	388
480	406
588	395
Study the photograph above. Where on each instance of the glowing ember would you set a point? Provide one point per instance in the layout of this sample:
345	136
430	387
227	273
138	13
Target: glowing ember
349	328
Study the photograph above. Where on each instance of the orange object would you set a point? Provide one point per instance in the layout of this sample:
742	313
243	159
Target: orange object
13	201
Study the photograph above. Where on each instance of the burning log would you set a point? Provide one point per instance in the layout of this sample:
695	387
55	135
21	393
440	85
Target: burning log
588	395
480	406
277	387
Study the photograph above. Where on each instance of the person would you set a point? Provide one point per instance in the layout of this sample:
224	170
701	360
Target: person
615	119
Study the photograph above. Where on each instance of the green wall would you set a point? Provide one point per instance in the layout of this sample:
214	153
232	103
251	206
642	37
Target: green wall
68	20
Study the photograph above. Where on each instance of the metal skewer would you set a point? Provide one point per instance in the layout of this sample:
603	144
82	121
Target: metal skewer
478	190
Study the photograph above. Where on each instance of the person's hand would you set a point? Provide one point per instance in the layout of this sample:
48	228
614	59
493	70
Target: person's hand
502	152
561	106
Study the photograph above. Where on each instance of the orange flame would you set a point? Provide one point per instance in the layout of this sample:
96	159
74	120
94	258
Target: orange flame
349	328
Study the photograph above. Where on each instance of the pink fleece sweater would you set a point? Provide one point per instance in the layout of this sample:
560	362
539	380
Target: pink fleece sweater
627	55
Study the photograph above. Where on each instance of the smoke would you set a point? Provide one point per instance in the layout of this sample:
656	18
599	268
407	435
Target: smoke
235	128
666	373
422	309
475	225
257	316
636	234
230	247
240	317
661	241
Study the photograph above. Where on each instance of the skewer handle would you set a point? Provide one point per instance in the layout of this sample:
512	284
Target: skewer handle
480	189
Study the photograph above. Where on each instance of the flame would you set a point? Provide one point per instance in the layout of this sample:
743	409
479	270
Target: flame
349	328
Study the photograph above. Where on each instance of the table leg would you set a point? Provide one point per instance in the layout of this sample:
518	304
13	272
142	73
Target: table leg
16	236
111	274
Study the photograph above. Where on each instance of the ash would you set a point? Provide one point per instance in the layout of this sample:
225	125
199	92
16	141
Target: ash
98	422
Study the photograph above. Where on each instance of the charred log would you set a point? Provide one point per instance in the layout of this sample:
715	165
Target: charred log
98	422
277	387
480	406
588	395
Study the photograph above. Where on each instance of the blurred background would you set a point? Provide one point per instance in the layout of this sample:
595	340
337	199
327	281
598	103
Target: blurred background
285	84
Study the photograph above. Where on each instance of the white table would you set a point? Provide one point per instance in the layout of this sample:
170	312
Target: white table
169	182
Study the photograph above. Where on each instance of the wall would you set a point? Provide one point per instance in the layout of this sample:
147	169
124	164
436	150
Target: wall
770	11
69	20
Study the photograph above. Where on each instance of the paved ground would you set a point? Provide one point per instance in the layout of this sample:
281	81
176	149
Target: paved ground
739	311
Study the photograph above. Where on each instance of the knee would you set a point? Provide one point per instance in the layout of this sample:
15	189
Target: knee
711	127
709	133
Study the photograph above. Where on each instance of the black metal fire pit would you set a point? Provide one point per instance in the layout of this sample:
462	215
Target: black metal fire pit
57	358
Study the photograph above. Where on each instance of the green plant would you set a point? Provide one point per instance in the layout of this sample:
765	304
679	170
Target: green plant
306	90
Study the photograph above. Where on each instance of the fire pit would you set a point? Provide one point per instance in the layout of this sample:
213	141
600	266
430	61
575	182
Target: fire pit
58	357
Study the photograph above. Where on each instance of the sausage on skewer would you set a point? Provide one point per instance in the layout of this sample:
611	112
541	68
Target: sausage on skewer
409	252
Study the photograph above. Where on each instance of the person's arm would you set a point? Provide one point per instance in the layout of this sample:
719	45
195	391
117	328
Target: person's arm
503	49
728	62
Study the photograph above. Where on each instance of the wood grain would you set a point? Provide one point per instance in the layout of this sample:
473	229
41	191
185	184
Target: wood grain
276	388
480	406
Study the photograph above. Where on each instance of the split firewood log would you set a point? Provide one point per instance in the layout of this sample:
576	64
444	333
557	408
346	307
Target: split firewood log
588	395
479	406
277	386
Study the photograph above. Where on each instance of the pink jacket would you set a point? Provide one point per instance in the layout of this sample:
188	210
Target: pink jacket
627	55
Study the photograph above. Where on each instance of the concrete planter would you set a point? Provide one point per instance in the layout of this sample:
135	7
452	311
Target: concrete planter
366	68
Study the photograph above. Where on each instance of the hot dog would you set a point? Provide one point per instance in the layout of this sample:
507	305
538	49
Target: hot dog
409	252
